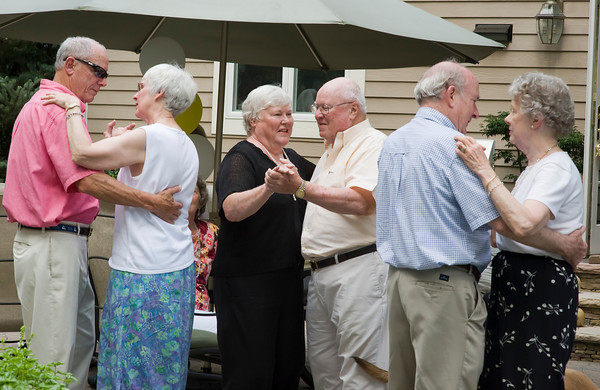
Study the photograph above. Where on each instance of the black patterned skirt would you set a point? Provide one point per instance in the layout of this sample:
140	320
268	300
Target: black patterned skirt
532	316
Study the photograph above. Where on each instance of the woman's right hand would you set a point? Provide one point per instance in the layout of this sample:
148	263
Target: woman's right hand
473	155
60	99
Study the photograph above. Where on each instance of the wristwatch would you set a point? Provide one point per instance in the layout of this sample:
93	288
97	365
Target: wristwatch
300	191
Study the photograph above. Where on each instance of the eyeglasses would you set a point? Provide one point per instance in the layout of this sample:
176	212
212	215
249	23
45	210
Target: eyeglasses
99	71
324	108
140	86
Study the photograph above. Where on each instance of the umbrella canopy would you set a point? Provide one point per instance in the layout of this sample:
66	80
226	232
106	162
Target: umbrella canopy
307	34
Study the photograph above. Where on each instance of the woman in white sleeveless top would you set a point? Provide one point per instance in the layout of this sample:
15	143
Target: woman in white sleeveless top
148	314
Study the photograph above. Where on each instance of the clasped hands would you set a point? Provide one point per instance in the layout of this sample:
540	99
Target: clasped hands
284	178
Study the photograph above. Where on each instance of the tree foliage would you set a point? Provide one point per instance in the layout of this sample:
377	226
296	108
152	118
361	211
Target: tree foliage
494	125
22	66
12	97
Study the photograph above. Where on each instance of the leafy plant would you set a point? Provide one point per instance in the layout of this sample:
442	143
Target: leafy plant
22	66
13	96
112	173
19	370
574	144
494	125
3	164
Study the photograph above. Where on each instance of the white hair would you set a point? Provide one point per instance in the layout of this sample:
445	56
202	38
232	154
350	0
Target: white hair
178	86
261	98
545	95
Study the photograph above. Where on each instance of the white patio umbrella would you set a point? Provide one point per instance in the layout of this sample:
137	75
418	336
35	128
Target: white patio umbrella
305	34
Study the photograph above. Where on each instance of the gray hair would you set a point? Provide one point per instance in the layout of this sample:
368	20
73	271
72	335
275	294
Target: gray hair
352	93
547	96
438	79
178	86
261	98
79	47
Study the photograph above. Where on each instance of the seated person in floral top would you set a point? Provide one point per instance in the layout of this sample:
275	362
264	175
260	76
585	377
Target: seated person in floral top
204	237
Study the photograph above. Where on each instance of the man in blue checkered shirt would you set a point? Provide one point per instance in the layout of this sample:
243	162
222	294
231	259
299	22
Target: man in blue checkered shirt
433	229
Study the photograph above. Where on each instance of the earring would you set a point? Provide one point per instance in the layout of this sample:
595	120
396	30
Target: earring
532	126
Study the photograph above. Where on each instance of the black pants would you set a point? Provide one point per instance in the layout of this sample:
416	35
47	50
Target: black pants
260	329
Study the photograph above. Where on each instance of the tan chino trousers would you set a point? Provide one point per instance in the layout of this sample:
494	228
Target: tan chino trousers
436	322
57	301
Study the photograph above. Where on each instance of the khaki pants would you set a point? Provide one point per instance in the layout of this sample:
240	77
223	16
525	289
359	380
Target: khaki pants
346	317
51	274
436	329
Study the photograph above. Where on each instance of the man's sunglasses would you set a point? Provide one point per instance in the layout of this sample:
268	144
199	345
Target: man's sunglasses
99	71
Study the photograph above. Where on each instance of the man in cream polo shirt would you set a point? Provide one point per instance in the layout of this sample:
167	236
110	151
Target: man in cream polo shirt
346	310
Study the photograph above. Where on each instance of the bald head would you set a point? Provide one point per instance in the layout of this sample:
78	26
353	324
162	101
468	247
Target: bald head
451	89
438	78
341	105
347	90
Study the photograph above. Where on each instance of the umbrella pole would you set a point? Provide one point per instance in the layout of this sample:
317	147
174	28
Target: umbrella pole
15	20
220	116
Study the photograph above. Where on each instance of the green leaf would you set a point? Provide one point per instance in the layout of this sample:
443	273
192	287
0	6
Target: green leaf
20	370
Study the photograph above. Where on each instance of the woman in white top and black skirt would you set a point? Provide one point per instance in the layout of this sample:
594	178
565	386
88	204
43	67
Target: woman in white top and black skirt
532	309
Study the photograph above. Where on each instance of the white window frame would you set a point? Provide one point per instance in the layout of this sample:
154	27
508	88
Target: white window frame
304	123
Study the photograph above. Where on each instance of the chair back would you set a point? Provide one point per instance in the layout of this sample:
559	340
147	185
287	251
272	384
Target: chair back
11	318
99	275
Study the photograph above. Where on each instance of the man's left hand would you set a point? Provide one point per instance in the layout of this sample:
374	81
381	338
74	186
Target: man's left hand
575	247
166	207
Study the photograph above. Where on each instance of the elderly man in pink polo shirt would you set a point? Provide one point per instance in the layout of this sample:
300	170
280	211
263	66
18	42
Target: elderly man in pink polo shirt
54	202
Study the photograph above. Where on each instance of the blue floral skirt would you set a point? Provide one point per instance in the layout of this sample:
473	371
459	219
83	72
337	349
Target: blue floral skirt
146	330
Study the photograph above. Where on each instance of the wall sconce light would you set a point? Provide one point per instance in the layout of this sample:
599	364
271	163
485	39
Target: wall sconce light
497	32
550	21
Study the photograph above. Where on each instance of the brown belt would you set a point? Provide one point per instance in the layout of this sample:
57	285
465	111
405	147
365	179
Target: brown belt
341	257
471	269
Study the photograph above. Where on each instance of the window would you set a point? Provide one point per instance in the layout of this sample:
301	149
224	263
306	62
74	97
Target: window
302	86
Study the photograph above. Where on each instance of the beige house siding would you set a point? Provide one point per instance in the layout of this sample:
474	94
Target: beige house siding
389	92
115	101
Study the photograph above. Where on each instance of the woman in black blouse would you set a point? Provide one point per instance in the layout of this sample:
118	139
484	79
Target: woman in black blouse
257	269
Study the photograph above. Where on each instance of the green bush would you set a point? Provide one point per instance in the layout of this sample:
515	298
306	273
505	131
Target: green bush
574	144
494	125
12	98
19	370
22	66
112	173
